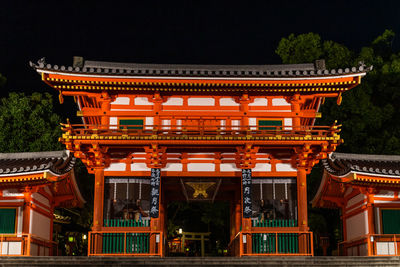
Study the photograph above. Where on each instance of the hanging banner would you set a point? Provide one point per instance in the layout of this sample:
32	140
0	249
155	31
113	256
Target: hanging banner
246	196
155	192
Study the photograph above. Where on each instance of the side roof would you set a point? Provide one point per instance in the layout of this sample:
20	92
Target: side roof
340	164
57	162
90	67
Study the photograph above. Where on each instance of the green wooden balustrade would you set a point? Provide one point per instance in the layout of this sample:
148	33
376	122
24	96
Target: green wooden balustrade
113	243
288	243
265	243
126	223
274	223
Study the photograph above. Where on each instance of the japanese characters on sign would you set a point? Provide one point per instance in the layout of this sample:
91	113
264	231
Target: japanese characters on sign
246	182
154	192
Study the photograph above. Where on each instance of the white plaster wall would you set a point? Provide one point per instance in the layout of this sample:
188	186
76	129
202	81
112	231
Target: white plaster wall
262	167
121	101
357	225
355	199
288	122
149	121
139	167
253	121
20	216
174	101
39	225
259	102
116	167
228	102
113	121
385	193
203	101
142	101
12	192
279	102
285	167
385	248
228	167
235	123
201	167
173	167
41	199
34	250
11	248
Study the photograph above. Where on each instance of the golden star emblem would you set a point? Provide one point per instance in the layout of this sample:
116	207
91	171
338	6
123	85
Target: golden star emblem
200	188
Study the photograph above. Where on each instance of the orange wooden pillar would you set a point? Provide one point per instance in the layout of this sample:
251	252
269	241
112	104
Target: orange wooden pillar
302	208
26	218
371	223
98	207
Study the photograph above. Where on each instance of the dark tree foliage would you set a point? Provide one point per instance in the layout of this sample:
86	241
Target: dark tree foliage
28	123
369	113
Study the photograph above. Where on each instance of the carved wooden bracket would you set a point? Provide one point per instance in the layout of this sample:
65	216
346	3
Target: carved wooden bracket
156	157
246	156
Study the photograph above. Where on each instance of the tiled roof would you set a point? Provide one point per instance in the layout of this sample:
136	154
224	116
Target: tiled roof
340	164
176	70
57	162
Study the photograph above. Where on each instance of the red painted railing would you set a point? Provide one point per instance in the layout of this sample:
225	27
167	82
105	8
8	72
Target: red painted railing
371	245
272	243
26	245
125	243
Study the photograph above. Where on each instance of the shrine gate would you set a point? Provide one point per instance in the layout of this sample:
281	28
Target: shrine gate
152	134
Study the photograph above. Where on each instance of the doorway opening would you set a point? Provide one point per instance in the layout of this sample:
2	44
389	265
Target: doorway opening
198	228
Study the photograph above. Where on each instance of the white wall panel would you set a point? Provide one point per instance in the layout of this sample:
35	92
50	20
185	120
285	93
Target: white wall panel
279	102
41	199
228	102
262	167
385	193
20	216
385	248
141	101
228	167
357	225
116	167
139	167
14	248
149	121
201	167
204	101
11	248
121	101
174	101
177	167
39	225
285	167
113	121
259	102
355	200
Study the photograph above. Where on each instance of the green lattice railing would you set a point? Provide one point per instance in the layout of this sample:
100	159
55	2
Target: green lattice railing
126	223
117	243
274	223
287	243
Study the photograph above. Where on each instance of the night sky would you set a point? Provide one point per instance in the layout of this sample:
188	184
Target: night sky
195	32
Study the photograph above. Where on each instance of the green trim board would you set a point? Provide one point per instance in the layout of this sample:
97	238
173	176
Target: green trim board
268	124
126	122
390	221
7	220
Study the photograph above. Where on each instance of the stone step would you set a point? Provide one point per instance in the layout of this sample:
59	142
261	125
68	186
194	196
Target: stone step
193	261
